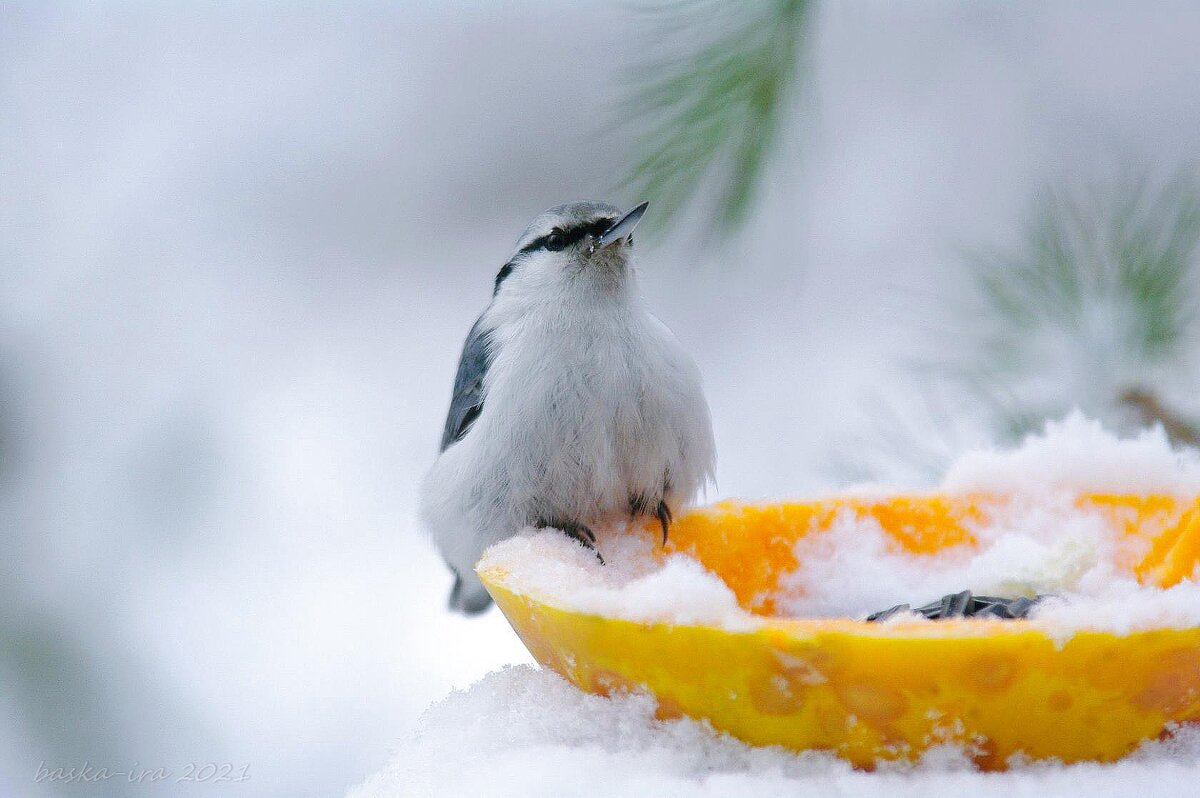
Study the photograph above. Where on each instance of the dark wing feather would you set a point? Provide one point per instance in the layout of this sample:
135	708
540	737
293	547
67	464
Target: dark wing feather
467	401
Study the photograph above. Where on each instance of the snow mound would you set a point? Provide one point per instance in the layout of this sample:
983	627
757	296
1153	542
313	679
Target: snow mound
1040	543
1077	453
631	584
527	732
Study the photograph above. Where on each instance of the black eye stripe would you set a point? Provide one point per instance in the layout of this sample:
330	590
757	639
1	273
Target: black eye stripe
571	235
501	276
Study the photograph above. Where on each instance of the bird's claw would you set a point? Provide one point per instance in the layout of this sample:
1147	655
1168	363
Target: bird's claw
663	513
579	533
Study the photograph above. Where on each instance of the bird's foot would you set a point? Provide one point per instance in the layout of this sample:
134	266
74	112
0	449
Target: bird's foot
577	532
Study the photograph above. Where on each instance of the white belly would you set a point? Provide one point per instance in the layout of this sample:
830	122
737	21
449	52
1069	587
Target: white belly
573	428
586	432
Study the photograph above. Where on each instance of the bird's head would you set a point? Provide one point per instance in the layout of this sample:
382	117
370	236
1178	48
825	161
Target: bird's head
569	248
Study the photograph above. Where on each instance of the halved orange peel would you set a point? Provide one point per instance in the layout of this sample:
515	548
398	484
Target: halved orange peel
872	692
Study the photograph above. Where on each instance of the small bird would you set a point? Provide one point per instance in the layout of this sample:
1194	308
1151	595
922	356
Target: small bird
572	406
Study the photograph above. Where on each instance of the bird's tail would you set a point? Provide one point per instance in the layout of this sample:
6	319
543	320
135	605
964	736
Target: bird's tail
469	596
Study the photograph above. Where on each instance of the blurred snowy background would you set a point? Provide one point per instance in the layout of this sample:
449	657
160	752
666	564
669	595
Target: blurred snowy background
240	247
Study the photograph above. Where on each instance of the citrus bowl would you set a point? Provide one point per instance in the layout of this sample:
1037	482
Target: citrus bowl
873	692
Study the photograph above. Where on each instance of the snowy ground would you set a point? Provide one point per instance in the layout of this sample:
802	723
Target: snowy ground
523	732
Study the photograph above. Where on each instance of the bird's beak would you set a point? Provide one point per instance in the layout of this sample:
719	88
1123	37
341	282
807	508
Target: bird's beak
623	227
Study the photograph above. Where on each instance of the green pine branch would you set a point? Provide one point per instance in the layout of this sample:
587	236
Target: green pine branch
712	108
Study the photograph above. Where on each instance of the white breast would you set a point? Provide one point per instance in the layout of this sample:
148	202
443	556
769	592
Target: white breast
590	409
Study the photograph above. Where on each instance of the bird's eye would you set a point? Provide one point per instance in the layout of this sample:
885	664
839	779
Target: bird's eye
555	241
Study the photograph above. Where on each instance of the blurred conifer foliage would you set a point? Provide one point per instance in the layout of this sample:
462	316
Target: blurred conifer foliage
711	106
1095	307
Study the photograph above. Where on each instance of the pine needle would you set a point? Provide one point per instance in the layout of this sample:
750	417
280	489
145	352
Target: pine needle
712	108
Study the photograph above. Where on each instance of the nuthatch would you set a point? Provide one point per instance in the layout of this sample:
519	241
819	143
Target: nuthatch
572	407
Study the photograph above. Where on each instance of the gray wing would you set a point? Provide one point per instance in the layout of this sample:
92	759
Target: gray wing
467	401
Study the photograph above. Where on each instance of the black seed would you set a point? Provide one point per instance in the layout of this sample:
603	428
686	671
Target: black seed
883	615
966	605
